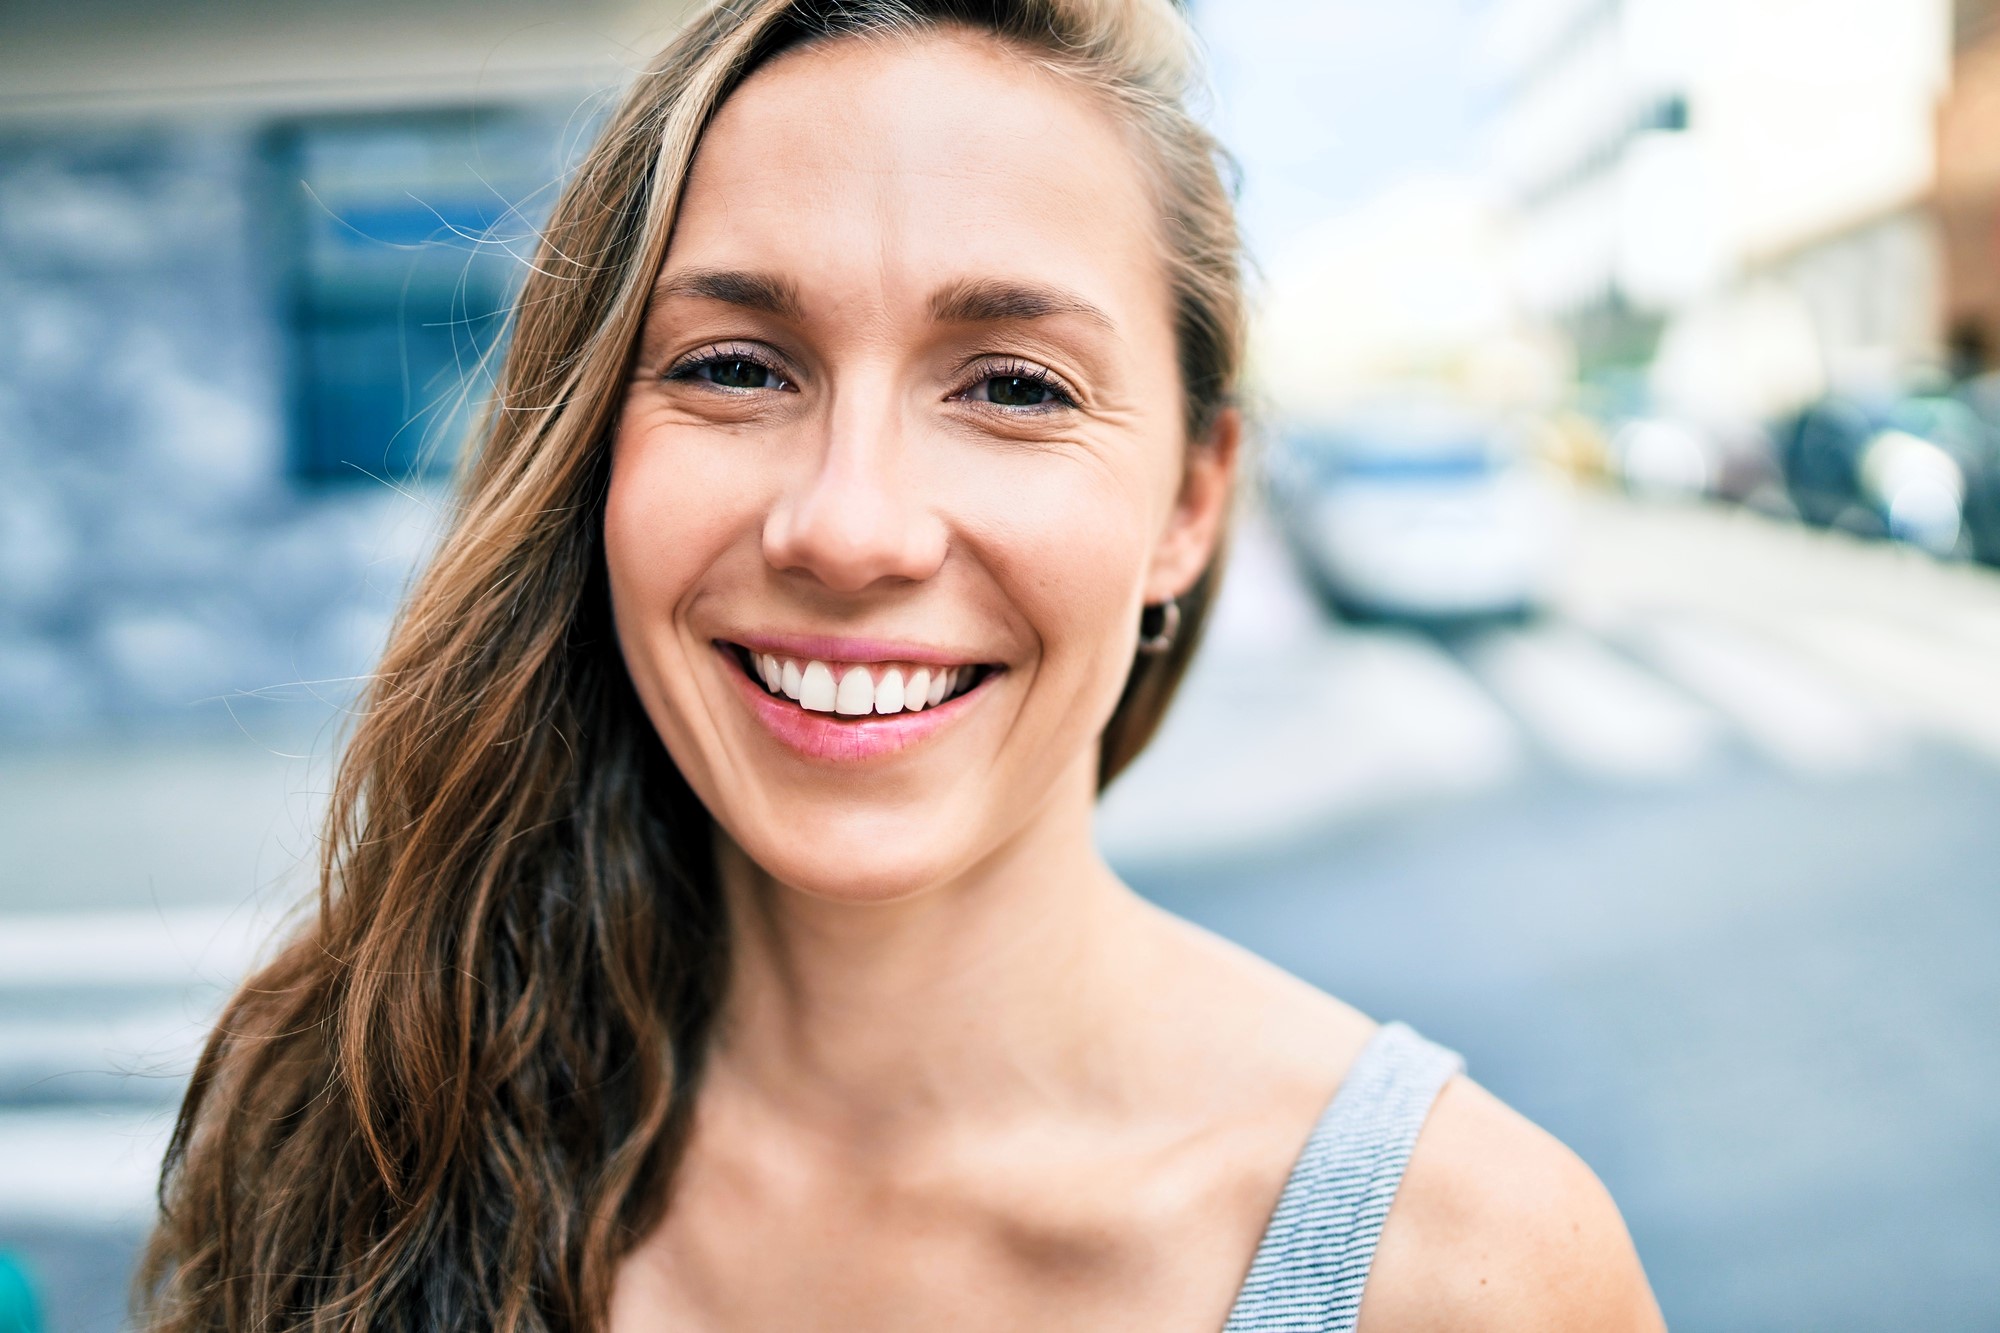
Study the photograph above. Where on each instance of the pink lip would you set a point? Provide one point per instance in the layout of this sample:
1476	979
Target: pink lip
818	736
829	649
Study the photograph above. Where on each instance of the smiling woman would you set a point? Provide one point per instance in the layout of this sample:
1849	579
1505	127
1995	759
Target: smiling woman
710	933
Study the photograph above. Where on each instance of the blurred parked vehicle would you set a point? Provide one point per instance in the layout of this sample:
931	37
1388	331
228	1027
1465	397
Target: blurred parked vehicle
1575	444
1982	492
1672	456
1920	470
1420	511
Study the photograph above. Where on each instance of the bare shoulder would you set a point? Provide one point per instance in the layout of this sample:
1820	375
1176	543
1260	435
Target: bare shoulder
1497	1227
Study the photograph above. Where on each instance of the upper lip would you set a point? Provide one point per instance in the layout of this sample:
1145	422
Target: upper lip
834	648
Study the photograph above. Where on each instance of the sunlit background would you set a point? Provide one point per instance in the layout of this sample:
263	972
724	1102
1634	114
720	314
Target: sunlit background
1608	682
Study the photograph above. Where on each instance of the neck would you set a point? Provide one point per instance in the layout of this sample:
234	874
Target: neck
982	996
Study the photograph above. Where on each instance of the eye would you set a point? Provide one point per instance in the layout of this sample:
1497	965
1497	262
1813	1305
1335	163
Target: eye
730	369
1021	387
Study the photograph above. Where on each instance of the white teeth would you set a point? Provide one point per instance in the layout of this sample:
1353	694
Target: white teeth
857	692
816	692
889	692
853	690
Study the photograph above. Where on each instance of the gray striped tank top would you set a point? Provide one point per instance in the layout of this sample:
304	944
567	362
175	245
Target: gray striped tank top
1313	1260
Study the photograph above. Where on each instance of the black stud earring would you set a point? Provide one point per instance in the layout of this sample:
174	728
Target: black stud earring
1161	639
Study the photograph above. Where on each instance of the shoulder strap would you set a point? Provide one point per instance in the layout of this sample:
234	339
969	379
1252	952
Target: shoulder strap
1313	1261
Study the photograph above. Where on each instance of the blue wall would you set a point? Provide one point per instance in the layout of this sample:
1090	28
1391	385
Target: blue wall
166	558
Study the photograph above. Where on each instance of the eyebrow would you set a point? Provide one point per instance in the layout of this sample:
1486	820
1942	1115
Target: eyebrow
969	301
999	300
752	291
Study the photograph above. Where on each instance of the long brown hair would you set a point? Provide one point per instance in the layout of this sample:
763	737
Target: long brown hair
455	1098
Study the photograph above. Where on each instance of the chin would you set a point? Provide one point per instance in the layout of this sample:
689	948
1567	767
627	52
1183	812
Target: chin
855	861
863	846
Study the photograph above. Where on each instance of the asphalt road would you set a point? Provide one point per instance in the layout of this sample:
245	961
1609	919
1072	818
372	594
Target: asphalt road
1701	872
1765	1014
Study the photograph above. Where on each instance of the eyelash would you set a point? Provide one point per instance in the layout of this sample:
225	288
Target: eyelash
1033	374
716	354
685	369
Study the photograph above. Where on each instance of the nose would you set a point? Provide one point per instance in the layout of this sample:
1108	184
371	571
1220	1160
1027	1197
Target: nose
859	516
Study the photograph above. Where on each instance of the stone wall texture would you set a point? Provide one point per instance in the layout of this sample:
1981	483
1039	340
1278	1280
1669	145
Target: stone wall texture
159	566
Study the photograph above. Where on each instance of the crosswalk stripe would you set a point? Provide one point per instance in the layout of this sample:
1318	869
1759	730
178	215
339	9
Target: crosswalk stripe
142	948
1353	719
1785	705
1287	741
1931	680
1976	630
87	1165
138	1053
1591	708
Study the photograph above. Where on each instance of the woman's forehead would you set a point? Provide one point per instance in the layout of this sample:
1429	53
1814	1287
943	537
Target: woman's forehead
886	165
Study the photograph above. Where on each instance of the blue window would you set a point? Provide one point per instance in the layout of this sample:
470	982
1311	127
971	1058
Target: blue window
403	238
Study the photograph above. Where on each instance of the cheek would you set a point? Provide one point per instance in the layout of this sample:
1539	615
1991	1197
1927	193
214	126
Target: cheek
642	550
1068	540
676	495
670	513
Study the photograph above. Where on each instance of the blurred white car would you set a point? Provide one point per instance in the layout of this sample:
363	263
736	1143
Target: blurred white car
1420	512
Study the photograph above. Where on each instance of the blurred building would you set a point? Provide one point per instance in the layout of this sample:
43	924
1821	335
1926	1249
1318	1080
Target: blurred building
250	254
1740	186
1968	187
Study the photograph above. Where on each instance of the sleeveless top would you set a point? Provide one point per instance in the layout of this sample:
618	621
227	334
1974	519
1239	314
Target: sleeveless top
1313	1260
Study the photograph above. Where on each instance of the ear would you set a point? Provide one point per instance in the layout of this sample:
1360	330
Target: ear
1208	482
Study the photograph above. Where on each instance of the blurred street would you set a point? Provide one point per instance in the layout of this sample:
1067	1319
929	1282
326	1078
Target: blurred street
1698	870
1627	373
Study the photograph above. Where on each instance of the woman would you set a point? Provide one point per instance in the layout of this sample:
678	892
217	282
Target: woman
711	935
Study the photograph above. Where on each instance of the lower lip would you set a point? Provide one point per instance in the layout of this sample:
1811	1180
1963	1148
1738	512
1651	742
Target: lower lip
847	740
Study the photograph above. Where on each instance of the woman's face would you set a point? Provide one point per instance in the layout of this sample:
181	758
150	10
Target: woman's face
901	460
